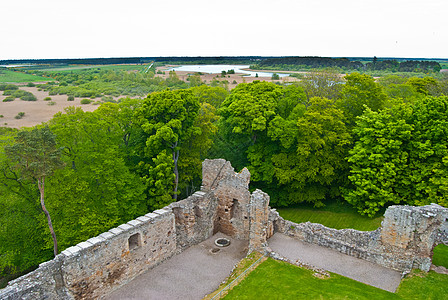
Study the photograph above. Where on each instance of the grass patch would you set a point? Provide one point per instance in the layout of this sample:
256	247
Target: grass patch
279	280
14	76
440	257
82	68
421	285
240	268
338	215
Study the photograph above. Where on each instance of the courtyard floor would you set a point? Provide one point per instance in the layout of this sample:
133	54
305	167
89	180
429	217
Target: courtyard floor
191	274
336	262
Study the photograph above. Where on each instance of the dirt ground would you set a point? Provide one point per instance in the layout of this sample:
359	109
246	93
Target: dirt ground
192	274
38	111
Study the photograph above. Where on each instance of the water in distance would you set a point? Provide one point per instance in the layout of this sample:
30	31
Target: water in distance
217	69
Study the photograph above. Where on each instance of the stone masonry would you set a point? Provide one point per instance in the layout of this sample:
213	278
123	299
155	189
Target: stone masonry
103	263
404	242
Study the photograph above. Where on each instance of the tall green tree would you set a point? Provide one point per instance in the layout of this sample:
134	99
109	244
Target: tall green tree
400	155
96	190
37	155
172	124
360	91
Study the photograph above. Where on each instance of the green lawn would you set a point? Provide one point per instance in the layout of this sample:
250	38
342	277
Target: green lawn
11	76
78	69
279	280
338	215
440	257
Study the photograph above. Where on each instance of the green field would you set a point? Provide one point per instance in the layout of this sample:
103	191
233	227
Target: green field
338	215
279	280
440	257
79	69
13	76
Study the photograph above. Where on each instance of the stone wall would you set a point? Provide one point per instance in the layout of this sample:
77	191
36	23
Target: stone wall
100	264
231	191
103	263
405	240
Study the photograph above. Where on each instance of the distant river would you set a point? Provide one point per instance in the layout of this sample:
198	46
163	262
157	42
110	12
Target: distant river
217	69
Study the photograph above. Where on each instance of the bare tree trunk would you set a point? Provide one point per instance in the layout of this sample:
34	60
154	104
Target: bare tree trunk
41	185
176	173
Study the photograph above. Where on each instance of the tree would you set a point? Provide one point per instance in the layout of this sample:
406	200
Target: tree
37	156
168	120
325	83
379	159
309	163
293	147
97	187
400	156
360	91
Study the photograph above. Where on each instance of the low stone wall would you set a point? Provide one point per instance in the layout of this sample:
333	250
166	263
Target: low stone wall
405	240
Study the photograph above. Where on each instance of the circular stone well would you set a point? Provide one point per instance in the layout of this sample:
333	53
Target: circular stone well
222	242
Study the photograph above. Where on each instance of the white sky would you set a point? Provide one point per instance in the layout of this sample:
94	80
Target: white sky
110	28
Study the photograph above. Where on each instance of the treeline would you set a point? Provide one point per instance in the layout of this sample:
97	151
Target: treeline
313	62
406	66
322	139
135	60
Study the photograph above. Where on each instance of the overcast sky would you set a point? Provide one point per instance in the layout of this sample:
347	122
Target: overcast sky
98	28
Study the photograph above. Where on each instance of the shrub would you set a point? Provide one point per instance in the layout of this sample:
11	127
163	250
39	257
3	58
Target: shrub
11	87
30	84
9	99
51	103
70	98
20	115
47	98
86	101
1	116
28	97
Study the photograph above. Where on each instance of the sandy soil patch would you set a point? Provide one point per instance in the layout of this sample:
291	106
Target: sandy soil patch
38	111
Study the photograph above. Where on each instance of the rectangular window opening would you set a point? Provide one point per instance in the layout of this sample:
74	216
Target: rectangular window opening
134	241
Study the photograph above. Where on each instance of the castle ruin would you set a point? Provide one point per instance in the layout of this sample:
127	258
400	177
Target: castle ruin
103	263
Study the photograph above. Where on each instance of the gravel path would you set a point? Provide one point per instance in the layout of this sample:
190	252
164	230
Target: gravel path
191	274
336	262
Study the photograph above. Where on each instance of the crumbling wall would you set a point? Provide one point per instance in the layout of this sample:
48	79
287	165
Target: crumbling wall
233	197
194	218
405	240
259	221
